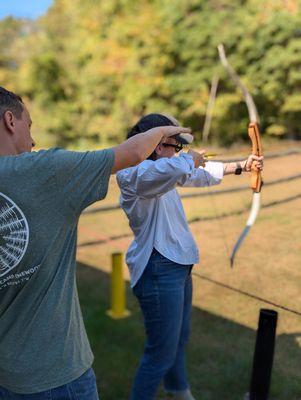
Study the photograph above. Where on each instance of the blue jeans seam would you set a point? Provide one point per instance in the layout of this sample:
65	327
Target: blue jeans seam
158	303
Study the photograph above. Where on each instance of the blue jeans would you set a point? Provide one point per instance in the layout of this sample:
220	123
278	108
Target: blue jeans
82	388
164	292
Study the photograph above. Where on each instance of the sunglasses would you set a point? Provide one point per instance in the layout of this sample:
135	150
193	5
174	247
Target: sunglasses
177	147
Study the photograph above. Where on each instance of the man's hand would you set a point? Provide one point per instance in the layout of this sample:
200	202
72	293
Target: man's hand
256	161
198	157
168	131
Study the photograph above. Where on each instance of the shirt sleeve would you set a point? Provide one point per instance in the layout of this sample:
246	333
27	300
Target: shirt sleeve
82	177
154	178
212	174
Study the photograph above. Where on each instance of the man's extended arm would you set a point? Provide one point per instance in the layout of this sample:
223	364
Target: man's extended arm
139	147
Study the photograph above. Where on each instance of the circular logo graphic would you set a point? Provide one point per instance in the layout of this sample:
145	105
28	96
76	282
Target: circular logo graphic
14	235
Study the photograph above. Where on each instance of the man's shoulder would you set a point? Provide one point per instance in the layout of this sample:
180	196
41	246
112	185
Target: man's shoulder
39	155
60	154
28	159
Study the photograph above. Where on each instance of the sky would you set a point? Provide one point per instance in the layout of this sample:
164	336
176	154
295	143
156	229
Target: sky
24	8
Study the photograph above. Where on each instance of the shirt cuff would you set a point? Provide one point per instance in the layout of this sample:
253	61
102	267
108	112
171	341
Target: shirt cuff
216	169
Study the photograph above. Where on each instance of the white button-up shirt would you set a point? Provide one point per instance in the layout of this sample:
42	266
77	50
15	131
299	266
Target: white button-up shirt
155	211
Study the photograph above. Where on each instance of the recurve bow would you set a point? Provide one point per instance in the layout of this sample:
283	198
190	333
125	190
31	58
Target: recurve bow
254	134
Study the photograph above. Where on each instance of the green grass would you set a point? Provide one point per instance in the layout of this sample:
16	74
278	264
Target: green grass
219	355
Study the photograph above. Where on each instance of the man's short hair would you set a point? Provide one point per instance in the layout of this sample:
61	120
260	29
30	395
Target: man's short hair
9	101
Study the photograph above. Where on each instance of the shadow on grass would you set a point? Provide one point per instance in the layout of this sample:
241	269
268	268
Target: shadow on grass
220	352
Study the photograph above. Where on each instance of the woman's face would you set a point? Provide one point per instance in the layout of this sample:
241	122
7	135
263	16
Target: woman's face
167	148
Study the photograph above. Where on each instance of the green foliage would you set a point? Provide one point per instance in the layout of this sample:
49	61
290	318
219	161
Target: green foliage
91	69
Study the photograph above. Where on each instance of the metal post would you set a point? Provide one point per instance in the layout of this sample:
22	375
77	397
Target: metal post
118	309
263	356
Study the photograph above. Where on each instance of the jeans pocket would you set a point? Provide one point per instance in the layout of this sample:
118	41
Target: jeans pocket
84	387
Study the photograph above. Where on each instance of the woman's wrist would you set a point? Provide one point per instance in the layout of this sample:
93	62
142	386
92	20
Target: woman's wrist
243	165
235	168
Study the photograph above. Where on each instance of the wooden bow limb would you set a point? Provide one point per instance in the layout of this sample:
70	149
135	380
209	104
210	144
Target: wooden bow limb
254	134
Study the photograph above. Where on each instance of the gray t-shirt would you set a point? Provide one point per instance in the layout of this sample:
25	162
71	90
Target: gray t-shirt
43	343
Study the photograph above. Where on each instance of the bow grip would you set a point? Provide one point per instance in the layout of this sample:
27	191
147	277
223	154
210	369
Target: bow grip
254	133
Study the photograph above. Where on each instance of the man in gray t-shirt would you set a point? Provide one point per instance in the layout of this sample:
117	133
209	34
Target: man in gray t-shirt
44	348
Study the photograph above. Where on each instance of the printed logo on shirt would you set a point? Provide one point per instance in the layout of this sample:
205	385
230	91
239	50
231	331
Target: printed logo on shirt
14	235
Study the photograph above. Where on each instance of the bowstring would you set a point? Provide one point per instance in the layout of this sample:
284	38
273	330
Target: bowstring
219	219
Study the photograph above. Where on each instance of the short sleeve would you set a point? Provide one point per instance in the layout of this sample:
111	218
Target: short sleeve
82	177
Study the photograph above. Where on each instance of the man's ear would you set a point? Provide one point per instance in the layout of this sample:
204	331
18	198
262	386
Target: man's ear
8	119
